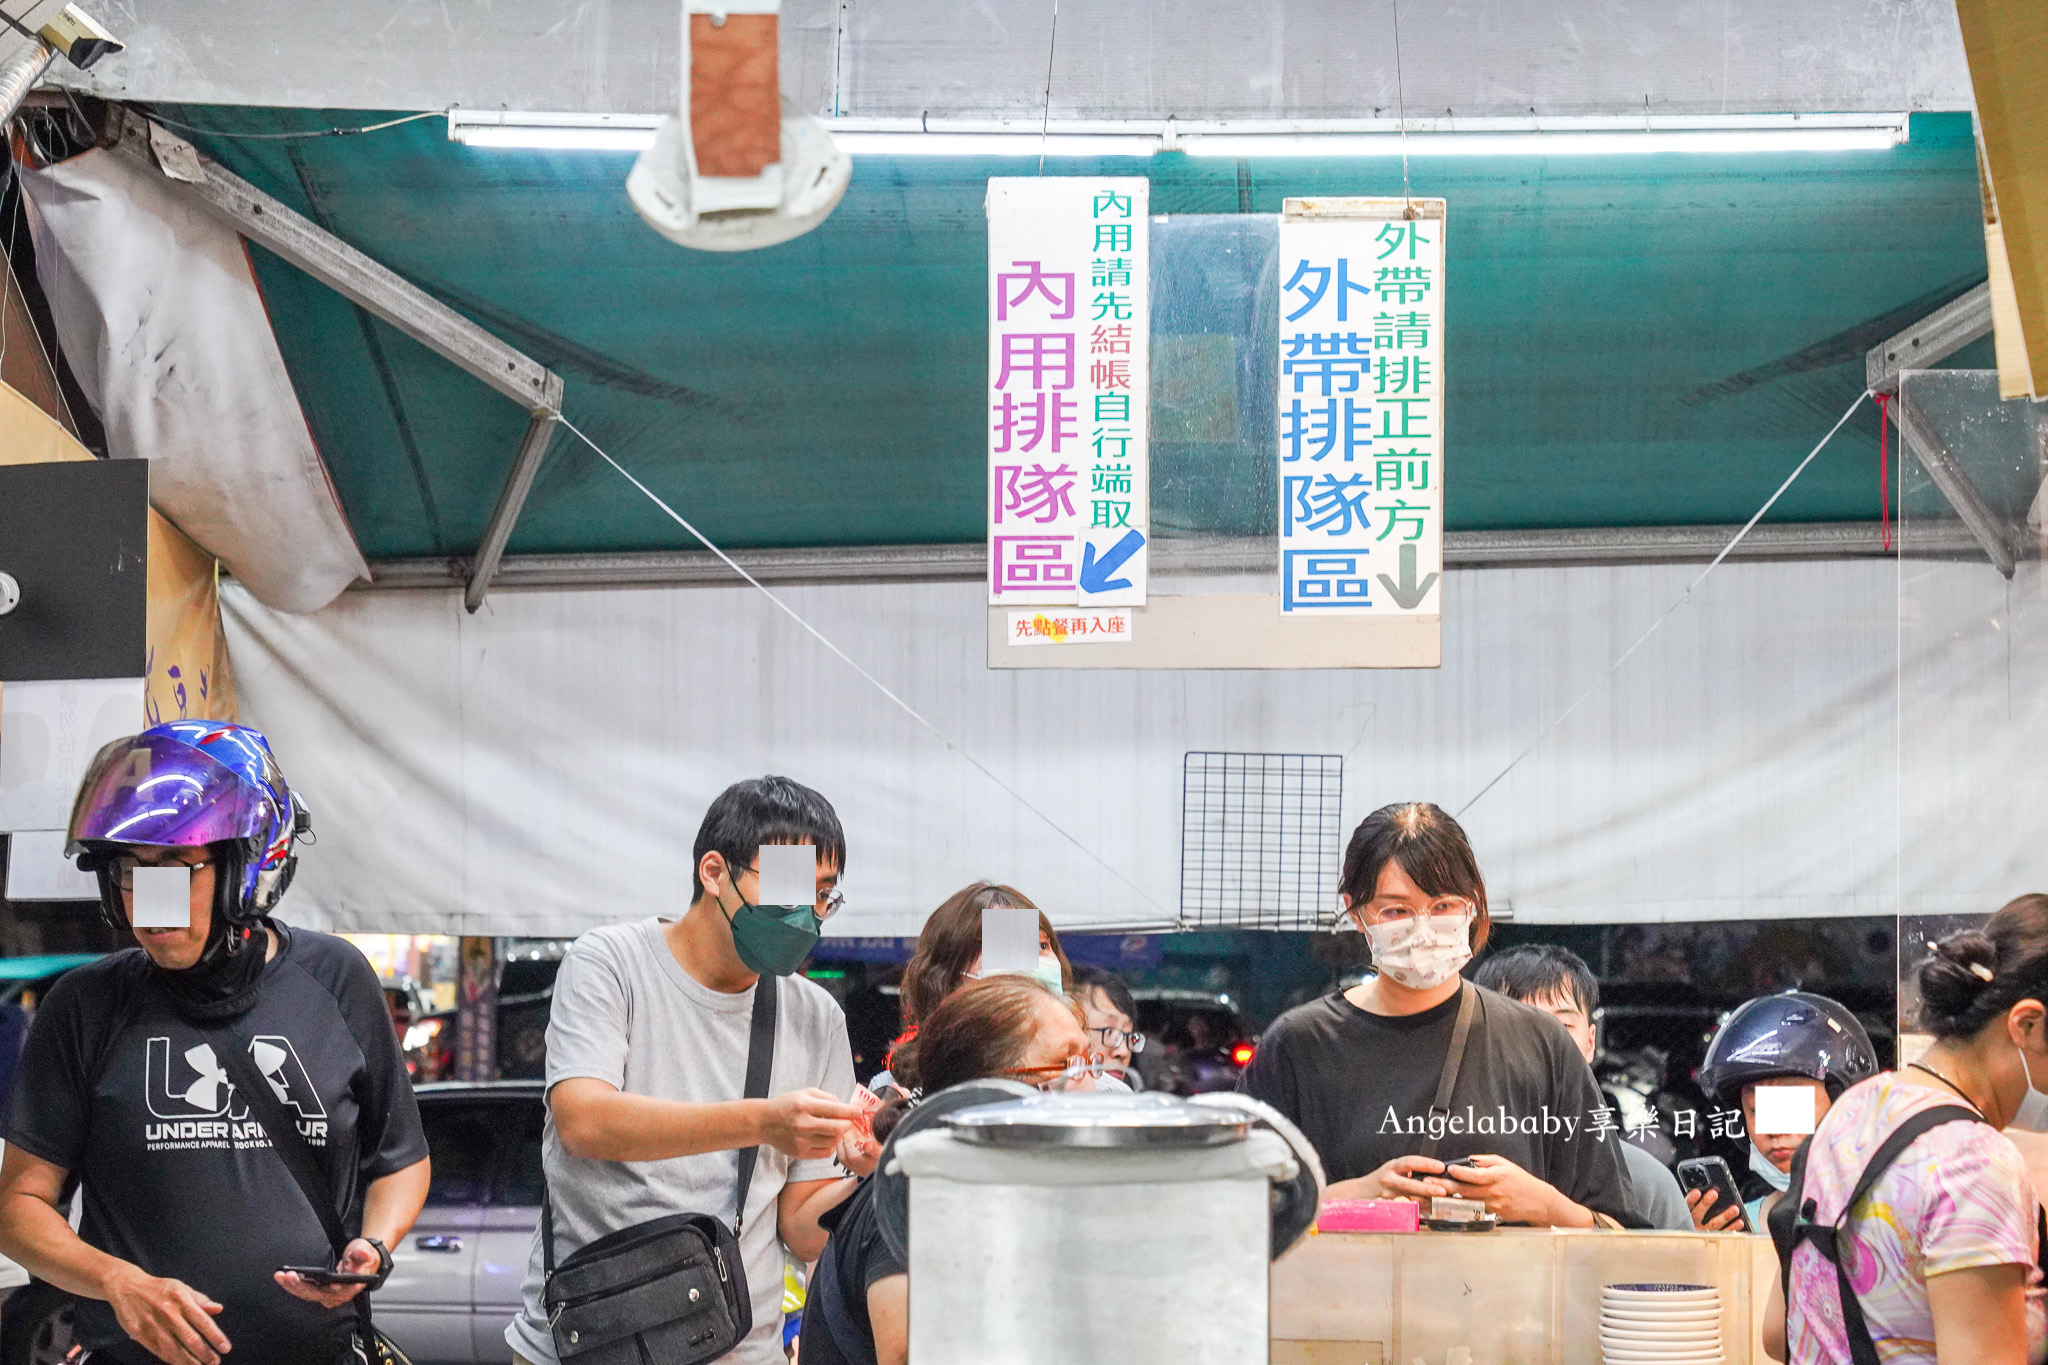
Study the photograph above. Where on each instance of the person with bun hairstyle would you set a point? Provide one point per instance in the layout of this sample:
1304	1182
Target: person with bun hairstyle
857	1311
1361	1071
949	955
1942	1253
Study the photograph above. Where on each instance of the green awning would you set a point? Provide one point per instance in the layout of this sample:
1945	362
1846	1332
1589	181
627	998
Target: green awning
1633	340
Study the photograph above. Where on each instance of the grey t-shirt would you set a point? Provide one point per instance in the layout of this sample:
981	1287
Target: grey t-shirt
627	1014
1657	1195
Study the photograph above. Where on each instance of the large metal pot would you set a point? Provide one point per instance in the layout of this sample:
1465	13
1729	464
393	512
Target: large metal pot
1079	1228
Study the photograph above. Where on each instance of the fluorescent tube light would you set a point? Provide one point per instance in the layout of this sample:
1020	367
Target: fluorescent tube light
948	143
553	132
1724	135
1721	142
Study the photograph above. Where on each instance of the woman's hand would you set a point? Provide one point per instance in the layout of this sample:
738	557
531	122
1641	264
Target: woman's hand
1701	1203
1513	1195
1398	1179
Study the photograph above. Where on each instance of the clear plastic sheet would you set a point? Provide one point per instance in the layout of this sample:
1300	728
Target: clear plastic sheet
1973	661
1215	362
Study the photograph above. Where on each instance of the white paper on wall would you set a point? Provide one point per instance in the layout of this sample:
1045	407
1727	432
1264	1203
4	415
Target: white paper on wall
49	732
37	869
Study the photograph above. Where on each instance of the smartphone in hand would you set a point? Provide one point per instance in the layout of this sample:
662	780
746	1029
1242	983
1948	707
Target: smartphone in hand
323	1275
1712	1173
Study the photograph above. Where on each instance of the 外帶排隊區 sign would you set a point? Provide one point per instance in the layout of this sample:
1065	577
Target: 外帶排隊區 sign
1361	406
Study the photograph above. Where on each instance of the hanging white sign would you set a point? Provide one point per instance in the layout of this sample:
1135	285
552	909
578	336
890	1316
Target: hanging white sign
1361	406
1069	304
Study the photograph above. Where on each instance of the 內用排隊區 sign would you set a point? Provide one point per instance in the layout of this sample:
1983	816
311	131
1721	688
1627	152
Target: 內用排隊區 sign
1069	305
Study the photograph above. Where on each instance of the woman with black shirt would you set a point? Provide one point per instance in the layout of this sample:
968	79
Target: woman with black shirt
1360	1071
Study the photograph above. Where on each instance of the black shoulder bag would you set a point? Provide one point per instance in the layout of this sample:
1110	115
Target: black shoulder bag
372	1346
672	1289
1791	1222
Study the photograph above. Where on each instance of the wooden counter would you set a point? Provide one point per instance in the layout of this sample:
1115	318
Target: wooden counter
1519	1296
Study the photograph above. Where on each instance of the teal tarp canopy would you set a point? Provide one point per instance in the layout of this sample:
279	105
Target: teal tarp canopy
1632	340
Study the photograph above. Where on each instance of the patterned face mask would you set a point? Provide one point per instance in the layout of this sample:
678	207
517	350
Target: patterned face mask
1421	951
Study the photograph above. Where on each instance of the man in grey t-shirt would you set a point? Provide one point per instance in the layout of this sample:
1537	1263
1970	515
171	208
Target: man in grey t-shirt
647	1057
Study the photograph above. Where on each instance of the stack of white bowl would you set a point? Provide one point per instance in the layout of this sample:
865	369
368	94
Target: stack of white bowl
1660	1324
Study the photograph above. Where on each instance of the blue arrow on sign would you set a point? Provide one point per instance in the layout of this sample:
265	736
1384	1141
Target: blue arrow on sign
1095	573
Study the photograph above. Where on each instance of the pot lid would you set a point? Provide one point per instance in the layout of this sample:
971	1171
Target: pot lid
1099	1120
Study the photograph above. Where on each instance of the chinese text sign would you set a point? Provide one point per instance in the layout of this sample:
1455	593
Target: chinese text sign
1068	307
1361	407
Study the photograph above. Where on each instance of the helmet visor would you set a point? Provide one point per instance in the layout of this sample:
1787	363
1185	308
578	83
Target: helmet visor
156	790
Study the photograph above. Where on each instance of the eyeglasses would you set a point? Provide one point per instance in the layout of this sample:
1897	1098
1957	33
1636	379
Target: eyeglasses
123	869
828	904
1113	1038
1058	1075
1443	907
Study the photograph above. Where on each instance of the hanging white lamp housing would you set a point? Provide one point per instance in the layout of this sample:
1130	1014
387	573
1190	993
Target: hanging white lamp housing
738	167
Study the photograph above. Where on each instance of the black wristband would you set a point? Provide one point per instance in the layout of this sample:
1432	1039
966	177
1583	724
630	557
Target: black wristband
383	1264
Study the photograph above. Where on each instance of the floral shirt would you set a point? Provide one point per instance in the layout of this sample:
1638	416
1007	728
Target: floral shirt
1959	1196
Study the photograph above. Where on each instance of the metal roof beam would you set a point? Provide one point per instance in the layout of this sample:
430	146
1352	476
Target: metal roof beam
1931	340
967	562
1922	346
525	465
382	291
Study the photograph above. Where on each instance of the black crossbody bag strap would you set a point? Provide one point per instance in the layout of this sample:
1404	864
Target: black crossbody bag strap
1830	1240
291	1148
760	1061
1440	1107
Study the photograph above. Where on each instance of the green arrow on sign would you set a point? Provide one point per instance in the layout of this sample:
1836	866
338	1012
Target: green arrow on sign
1408	594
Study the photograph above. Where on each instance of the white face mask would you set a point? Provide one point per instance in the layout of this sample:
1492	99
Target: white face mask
1421	951
2033	1111
1047	974
1760	1164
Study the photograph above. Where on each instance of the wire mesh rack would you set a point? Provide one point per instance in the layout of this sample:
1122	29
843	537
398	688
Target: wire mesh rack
1260	840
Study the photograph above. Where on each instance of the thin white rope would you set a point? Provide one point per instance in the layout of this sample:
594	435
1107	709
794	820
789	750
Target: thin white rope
1669	611
877	683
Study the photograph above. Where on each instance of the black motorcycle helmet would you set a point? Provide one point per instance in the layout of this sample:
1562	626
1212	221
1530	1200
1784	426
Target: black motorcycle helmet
1793	1033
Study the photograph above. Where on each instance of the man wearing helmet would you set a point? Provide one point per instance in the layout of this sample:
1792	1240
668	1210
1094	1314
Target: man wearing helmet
1796	1041
125	1088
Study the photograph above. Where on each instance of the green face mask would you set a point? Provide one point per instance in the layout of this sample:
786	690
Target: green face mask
774	940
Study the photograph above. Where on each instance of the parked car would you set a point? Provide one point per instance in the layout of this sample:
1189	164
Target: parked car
1195	1041
455	1280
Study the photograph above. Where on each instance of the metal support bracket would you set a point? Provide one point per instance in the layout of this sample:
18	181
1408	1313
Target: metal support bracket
525	465
1931	340
1926	343
364	282
1955	485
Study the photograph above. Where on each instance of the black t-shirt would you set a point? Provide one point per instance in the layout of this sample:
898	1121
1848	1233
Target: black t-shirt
176	1175
836	1328
1359	1087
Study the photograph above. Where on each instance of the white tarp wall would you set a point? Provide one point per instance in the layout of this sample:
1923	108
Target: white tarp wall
542	767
